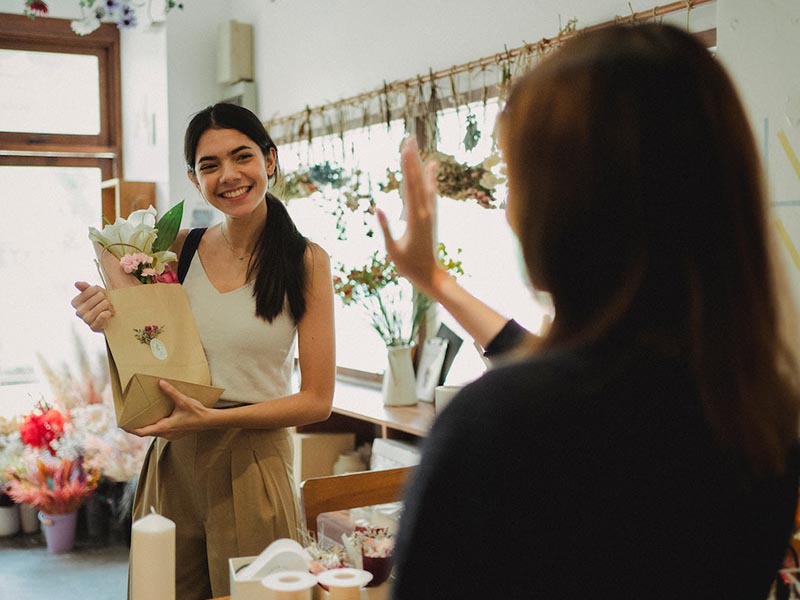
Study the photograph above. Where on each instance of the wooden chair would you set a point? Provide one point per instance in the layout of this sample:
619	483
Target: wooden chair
351	490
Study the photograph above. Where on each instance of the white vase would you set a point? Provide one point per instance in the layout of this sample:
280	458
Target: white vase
29	518
9	520
399	383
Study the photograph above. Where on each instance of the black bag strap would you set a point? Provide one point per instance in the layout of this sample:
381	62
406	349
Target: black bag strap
187	252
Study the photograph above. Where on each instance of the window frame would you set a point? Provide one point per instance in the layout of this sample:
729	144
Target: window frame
104	150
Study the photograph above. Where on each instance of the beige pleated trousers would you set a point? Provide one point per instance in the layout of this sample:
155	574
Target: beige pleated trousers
230	492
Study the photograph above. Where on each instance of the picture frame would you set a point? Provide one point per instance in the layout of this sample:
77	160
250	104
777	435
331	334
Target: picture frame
430	367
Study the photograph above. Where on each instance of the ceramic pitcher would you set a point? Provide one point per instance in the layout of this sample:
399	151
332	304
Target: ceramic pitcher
399	383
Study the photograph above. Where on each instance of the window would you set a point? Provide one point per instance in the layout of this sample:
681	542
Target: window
488	246
479	237
59	139
349	236
26	83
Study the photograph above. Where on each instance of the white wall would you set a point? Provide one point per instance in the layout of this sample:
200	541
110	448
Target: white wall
191	75
309	52
759	43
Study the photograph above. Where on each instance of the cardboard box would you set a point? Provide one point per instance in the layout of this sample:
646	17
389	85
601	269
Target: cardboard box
390	454
315	453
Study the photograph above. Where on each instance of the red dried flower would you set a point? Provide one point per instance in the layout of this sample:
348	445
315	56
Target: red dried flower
41	427
36	8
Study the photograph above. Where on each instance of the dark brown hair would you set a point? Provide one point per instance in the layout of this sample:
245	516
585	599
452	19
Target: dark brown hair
636	192
278	257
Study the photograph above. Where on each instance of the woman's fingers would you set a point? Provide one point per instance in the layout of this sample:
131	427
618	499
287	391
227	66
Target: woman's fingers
92	305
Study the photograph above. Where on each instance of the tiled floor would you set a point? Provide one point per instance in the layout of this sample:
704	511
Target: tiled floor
93	570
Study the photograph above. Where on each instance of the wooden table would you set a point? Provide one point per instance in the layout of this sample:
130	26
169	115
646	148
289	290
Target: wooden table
360	409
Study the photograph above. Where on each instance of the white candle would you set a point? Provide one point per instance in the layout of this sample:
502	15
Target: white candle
153	558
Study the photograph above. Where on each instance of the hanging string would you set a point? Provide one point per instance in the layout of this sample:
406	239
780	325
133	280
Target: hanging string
288	123
387	110
454	93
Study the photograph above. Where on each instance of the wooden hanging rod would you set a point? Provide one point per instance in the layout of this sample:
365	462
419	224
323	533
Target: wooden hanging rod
482	63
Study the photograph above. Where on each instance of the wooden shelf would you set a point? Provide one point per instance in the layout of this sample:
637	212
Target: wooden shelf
360	409
120	198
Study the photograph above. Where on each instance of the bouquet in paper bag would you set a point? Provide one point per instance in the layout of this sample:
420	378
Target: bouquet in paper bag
152	335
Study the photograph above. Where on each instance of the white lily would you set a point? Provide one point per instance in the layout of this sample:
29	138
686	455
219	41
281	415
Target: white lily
134	234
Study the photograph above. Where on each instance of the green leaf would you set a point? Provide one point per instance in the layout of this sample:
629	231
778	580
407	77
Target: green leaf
168	227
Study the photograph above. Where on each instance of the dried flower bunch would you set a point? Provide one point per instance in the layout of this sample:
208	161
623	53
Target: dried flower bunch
80	422
372	541
378	288
42	427
121	12
53	486
460	181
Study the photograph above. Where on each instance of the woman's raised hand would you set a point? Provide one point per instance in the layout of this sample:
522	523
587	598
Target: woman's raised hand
413	252
92	305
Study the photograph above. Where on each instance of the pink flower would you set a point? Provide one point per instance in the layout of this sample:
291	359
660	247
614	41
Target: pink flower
131	262
168	276
149	272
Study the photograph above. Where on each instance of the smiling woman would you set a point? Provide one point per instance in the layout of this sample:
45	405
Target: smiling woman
250	314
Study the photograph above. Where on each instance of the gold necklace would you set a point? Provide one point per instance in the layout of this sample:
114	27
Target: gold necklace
225	237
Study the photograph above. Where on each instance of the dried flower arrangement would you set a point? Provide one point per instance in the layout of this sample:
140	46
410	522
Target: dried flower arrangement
123	13
55	486
460	181
378	289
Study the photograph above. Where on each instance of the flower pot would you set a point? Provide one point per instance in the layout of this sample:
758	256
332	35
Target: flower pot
59	531
29	518
94	517
9	520
399	382
379	566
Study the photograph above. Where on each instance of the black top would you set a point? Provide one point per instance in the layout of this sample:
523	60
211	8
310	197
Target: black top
588	474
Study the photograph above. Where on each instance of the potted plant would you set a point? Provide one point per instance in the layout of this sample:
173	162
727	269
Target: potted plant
56	488
9	514
10	454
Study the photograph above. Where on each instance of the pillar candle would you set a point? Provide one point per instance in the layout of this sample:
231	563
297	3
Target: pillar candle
153	558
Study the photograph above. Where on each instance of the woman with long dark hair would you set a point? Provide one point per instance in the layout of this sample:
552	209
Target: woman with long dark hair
257	288
646	446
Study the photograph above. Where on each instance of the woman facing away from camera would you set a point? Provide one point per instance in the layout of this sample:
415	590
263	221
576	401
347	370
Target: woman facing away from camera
646	447
256	287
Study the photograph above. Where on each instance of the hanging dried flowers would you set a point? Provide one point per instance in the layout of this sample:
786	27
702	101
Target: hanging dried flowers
473	134
461	181
93	12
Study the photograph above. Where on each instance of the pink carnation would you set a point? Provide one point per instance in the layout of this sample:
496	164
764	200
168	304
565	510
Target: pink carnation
131	262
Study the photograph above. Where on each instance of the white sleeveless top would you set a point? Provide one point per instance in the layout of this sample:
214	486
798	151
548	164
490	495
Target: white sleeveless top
249	357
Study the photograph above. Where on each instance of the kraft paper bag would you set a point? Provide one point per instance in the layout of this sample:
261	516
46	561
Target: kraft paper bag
153	336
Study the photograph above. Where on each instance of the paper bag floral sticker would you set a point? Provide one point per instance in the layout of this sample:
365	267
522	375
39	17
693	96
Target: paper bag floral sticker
147	335
135	250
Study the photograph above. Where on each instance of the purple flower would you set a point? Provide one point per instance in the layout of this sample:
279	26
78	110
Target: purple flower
127	17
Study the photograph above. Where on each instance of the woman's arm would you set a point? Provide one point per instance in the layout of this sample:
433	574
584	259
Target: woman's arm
316	347
413	252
